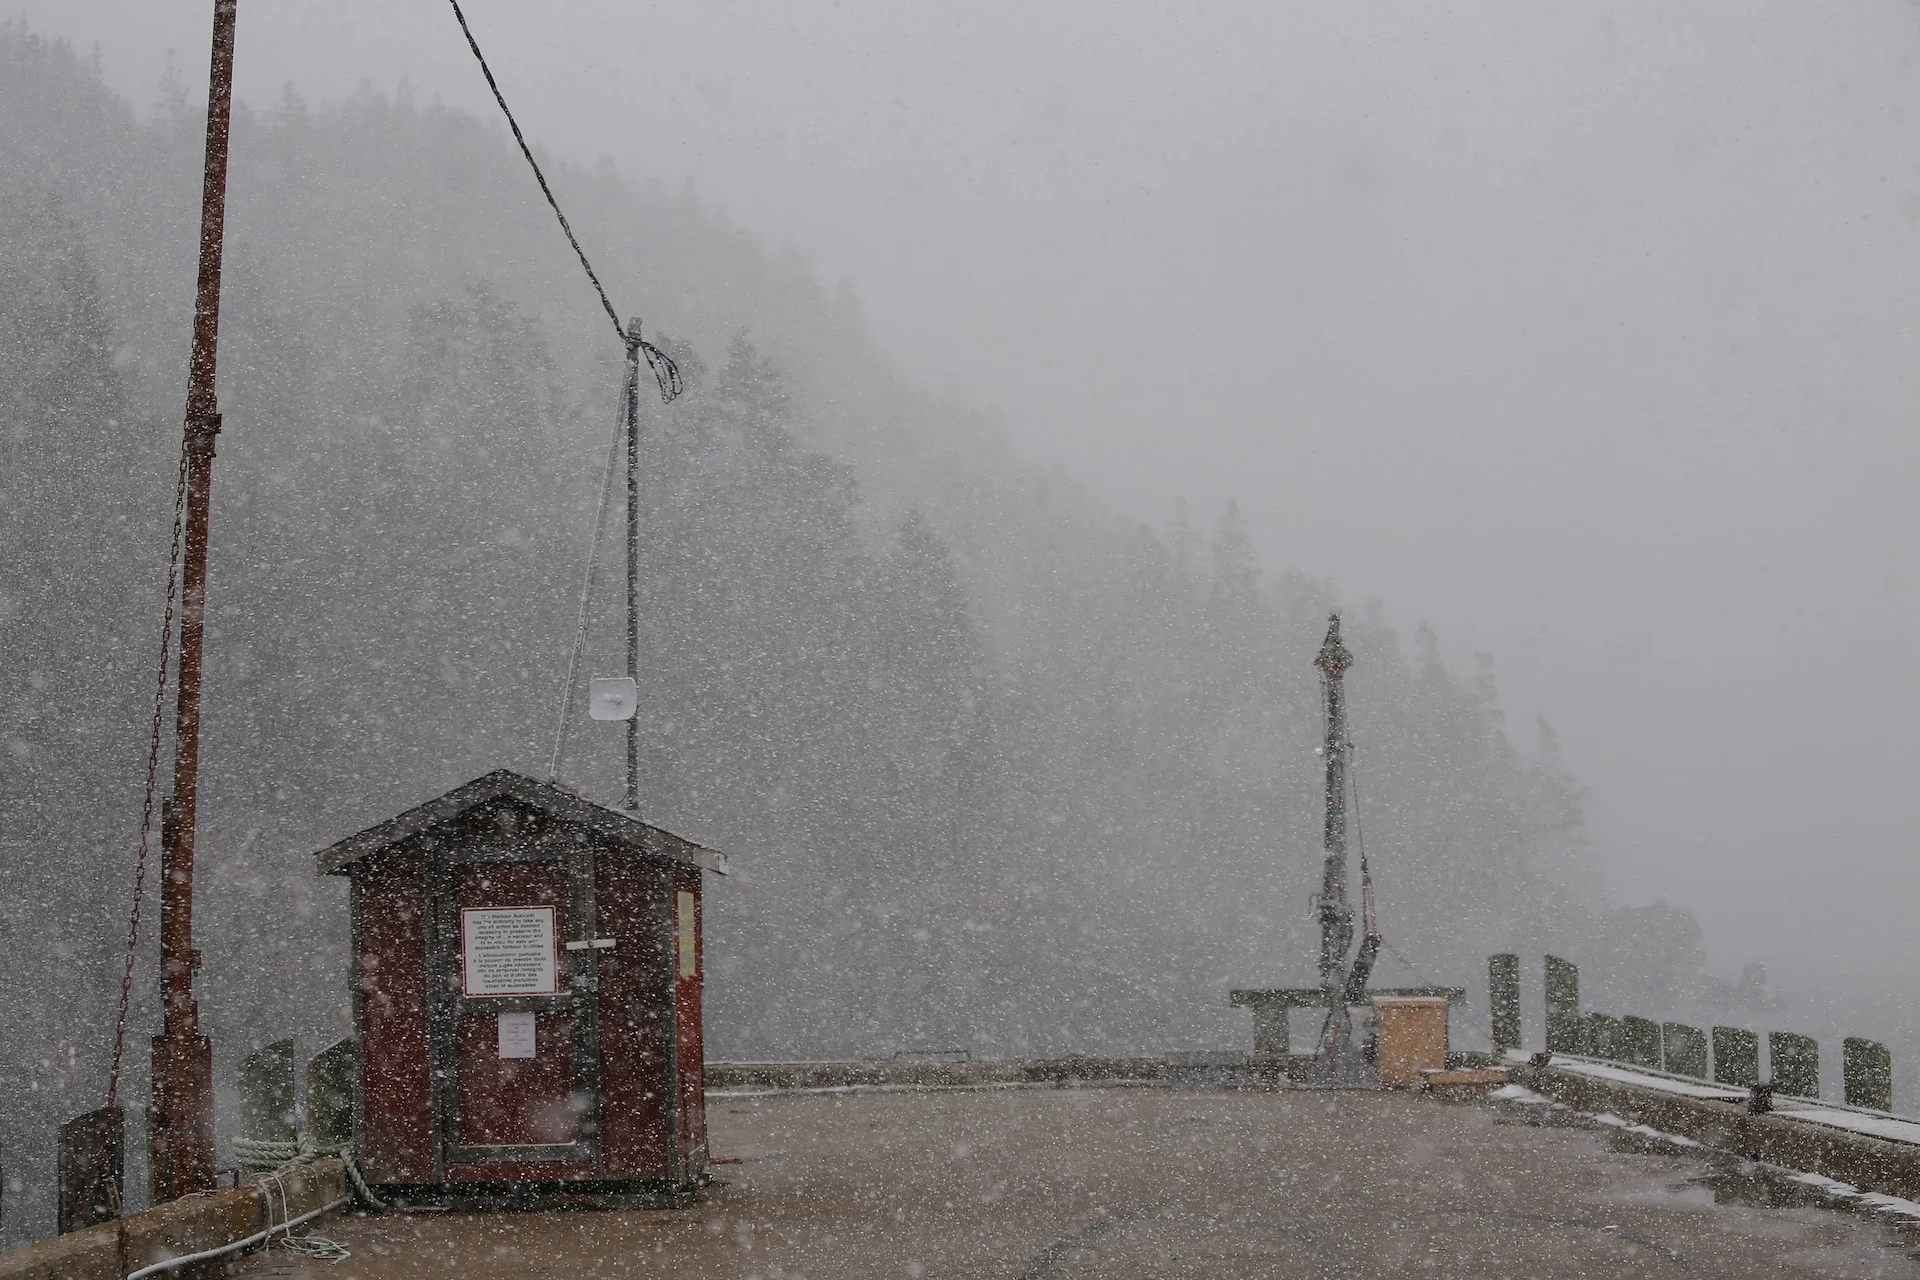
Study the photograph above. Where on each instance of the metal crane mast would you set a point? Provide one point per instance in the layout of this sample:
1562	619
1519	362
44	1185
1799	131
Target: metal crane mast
1344	983
1336	917
1344	970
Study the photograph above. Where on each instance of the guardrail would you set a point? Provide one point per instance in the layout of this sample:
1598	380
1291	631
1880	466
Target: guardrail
1724	1055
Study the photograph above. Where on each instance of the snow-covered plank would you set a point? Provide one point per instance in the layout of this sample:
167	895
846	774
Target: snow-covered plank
1888	1127
1649	1080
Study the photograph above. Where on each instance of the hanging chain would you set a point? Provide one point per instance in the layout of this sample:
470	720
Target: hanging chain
1366	875
146	823
152	779
1367	921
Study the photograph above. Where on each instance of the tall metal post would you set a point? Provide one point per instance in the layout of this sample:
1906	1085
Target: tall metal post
633	557
182	1056
1336	916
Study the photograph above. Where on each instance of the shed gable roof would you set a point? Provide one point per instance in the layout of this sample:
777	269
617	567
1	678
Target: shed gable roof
621	828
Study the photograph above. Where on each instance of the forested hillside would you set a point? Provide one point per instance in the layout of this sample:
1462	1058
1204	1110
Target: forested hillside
998	768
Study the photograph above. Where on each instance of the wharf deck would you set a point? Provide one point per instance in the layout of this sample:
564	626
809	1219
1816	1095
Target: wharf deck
1116	1182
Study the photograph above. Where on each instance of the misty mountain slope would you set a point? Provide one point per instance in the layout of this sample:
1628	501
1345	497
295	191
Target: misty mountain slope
999	768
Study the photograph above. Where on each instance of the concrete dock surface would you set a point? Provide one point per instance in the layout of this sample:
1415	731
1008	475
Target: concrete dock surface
1026	1183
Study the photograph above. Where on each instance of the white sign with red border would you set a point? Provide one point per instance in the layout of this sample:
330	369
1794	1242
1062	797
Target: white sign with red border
508	951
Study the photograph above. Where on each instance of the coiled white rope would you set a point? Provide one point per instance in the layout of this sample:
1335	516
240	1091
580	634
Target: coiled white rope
319	1248
273	1159
266	1155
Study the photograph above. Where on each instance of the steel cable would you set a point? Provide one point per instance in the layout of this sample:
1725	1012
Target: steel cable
665	371
620	427
1368	917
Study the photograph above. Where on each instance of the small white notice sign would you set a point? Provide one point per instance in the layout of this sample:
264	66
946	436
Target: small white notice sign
508	951
516	1035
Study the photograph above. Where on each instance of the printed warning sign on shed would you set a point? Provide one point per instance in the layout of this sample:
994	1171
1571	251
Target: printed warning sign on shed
508	951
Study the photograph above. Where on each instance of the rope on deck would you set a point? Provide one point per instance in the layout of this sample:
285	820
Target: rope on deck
273	1159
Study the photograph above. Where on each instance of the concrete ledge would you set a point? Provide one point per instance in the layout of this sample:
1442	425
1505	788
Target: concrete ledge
174	1229
1224	1070
1463	1082
1872	1164
905	1073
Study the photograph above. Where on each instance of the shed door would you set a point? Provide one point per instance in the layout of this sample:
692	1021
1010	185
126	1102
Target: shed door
515	1051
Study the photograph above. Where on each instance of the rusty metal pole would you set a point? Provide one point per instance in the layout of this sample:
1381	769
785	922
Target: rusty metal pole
182	1056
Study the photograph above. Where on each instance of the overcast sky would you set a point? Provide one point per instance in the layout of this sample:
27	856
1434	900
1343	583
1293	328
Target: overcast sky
1584	332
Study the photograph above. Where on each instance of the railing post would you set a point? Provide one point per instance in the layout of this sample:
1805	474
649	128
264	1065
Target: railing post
266	1100
1683	1050
91	1163
1603	1036
1867	1068
1793	1061
1563	1007
1503	995
330	1094
1736	1057
1641	1041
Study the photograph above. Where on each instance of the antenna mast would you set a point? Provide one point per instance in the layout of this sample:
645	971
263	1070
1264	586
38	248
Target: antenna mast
631	407
182	1056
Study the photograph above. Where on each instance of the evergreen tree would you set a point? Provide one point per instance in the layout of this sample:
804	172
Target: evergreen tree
78	565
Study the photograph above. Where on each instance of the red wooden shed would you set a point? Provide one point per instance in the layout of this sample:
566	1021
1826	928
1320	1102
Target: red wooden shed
526	995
